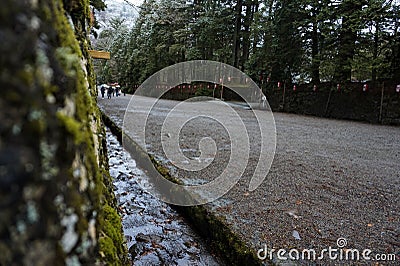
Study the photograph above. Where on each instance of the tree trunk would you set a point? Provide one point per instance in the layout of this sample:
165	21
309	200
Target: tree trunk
395	64
347	41
315	53
236	35
57	205
375	52
250	8
256	32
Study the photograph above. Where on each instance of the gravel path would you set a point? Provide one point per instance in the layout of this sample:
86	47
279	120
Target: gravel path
330	179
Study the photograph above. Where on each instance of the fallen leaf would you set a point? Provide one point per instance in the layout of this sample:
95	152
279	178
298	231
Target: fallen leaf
293	214
296	235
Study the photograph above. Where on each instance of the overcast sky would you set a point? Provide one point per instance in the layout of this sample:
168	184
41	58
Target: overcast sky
135	2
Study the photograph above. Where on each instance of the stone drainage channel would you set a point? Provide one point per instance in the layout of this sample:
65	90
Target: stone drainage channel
156	234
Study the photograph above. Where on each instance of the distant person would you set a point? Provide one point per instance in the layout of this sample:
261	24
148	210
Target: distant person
113	91
109	92
118	90
103	91
264	101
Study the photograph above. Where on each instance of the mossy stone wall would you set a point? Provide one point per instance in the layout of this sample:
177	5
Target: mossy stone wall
57	206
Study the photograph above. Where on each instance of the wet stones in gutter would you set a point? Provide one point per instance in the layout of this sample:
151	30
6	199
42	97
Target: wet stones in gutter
155	233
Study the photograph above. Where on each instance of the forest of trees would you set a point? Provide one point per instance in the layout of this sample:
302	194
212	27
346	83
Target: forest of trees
302	41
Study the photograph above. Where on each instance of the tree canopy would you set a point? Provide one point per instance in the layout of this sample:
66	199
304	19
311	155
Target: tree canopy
297	40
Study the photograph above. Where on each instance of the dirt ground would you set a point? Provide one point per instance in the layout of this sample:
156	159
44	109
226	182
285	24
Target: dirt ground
330	180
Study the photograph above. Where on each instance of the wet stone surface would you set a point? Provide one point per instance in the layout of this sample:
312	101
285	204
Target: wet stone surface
156	234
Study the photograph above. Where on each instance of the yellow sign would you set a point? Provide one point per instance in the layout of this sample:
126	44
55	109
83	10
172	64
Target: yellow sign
99	54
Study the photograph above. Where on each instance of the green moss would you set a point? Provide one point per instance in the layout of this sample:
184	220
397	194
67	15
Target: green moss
26	76
113	225
108	250
223	240
73	127
69	56
113	242
164	171
69	60
76	200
